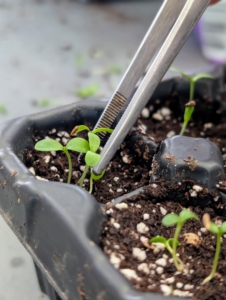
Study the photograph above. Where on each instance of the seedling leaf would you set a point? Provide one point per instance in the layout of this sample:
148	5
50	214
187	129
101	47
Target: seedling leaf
188	113
201	76
158	239
92	159
214	228
109	130
170	220
79	128
170	242
186	215
48	145
223	227
94	142
181	73
97	177
78	144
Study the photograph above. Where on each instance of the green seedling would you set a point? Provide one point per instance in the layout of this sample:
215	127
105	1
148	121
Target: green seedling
168	244
179	220
88	91
80	145
219	231
190	106
91	157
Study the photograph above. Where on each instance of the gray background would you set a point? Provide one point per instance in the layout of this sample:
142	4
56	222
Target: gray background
49	50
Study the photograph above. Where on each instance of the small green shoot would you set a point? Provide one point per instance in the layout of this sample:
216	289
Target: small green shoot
88	91
91	157
190	106
179	220
219	231
168	244
79	145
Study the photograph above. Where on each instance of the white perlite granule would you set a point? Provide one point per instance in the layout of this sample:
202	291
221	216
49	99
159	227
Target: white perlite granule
130	274
139	254
166	290
143	268
142	228
163	211
146	216
161	262
121	206
159	270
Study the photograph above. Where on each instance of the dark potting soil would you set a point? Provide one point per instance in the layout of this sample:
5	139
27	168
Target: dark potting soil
132	223
161	122
149	267
122	175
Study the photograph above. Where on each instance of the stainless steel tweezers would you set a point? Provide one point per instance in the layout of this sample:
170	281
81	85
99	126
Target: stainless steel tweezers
160	46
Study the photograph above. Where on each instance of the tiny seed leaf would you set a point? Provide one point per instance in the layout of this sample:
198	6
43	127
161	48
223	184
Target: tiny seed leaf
170	242
48	145
188	113
158	239
223	227
190	78
170	220
186	215
94	142
201	76
78	144
109	130
92	158
79	128
213	228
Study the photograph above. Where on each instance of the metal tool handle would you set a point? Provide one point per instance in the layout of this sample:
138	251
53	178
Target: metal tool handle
187	19
153	39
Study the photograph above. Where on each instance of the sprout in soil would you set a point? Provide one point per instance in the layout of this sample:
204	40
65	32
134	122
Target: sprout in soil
168	244
179	220
90	148
190	106
219	231
80	145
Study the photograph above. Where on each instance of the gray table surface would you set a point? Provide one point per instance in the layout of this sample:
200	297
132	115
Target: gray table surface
48	51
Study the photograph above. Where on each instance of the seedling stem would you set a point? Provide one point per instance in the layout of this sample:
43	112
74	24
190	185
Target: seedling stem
81	180
179	220
69	164
189	109
219	231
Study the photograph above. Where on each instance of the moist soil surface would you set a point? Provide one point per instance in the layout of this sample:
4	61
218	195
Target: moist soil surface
149	267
